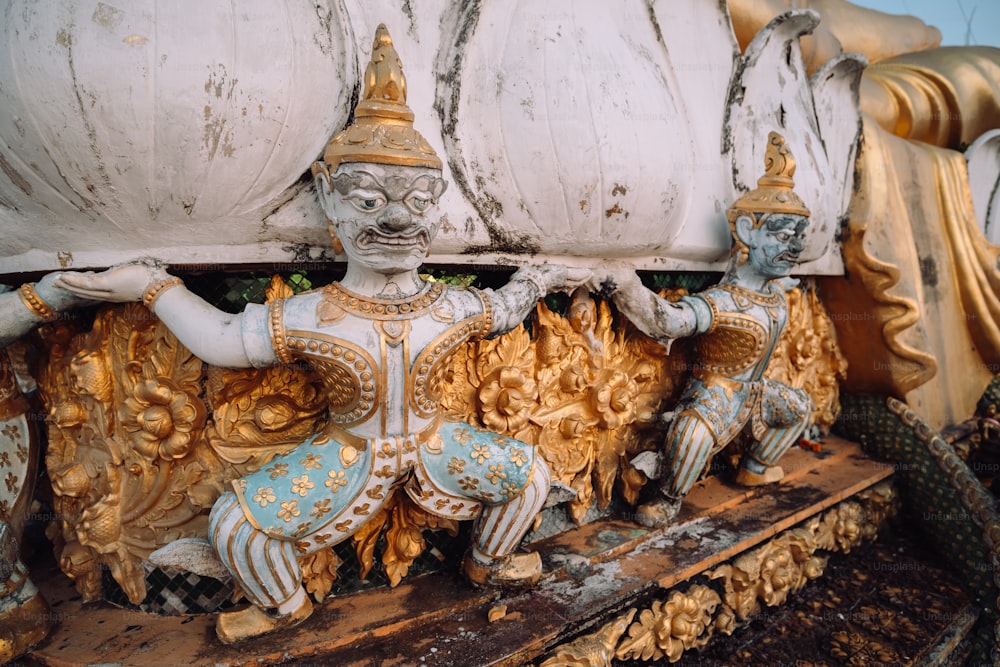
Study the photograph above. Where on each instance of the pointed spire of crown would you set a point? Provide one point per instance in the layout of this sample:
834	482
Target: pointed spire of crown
385	83
774	193
382	131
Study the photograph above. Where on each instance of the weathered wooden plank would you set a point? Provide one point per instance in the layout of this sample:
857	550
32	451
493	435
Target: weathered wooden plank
592	572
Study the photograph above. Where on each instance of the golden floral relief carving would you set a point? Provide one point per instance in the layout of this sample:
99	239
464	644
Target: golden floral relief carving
738	590
587	390
125	422
766	575
807	356
682	622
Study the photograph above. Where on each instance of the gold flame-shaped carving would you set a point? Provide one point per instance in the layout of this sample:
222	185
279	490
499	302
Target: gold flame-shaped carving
774	193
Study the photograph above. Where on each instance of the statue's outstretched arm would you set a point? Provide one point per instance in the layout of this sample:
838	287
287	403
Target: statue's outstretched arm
213	336
656	317
515	300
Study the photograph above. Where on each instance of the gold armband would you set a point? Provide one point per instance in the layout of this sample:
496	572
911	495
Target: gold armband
154	291
276	324
487	327
36	304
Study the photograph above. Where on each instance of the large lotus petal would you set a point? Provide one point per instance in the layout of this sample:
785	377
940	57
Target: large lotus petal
161	123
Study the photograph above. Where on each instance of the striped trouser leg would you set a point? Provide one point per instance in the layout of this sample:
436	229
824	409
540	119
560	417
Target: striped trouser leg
500	527
776	442
690	444
266	568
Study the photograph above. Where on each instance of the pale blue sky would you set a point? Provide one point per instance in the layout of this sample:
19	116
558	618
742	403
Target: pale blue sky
962	22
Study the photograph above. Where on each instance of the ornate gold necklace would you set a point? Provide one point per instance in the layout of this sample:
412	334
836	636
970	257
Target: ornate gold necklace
772	298
337	295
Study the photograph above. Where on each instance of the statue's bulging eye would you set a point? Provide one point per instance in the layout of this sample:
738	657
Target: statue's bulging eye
418	203
366	203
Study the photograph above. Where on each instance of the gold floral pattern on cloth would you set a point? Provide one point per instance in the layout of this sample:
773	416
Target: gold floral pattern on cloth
14	462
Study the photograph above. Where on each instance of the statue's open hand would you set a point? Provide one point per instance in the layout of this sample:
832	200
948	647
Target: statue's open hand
553	277
609	277
573	277
120	283
56	296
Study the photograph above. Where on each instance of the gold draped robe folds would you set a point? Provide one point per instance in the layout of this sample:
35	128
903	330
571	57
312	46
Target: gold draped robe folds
919	312
946	97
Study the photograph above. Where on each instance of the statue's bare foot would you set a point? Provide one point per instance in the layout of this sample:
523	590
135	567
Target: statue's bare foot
770	475
23	625
659	513
511	571
234	626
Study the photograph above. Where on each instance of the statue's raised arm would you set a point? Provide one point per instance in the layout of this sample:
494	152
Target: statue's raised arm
513	302
658	318
212	335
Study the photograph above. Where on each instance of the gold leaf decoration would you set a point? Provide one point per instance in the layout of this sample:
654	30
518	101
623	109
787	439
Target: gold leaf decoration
319	571
366	537
807	356
404	537
127	473
687	619
594	650
277	289
587	390
667	629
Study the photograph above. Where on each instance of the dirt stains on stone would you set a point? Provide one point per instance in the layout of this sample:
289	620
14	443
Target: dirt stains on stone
87	204
528	104
616	210
15	177
651	12
323	37
928	271
447	101
408	12
65	38
217	83
107	16
217	137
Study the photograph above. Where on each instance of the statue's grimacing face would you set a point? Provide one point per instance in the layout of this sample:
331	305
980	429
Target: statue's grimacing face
383	214
775	246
